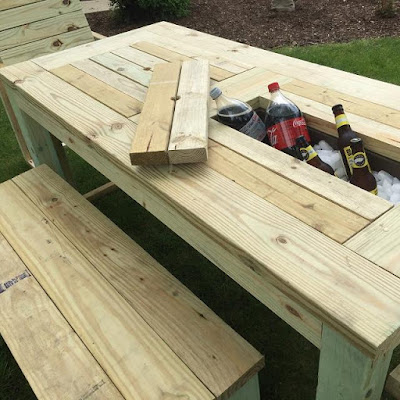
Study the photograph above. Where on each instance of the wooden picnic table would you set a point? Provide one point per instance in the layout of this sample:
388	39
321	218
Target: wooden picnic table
322	254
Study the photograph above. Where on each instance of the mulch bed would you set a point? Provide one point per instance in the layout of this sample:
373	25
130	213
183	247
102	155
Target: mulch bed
252	22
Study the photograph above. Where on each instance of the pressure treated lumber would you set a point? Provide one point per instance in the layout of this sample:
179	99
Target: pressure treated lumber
124	67
118	337
367	206
216	73
106	94
45	46
7	4
348	374
288	309
113	79
215	353
54	360
188	142
344	82
100	191
326	298
150	143
380	242
323	215
36	11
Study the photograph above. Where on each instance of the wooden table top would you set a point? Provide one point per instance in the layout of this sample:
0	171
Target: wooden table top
297	239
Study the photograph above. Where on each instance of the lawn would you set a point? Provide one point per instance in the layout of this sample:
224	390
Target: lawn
291	361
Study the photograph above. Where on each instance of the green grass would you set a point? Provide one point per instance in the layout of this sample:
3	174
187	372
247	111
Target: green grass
291	362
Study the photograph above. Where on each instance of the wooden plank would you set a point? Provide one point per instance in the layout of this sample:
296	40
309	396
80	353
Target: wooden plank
393	383
116	335
242	234
138	57
323	215
380	242
354	85
289	310
46	46
380	138
43	29
189	134
117	81
353	105
36	11
101	191
100	91
340	192
51	355
150	144
98	36
124	68
346	373
7	4
216	354
216	73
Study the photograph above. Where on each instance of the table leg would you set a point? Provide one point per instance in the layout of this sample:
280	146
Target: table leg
250	391
346	373
15	125
42	146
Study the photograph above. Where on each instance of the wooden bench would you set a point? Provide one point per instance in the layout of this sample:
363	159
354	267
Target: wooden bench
33	28
86	312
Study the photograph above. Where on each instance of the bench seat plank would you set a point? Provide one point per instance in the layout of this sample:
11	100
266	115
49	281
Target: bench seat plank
215	353
55	362
118	337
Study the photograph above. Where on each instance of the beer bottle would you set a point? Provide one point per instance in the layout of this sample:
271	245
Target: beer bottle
345	135
308	154
362	176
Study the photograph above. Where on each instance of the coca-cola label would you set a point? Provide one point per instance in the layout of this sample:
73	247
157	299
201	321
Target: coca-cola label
255	128
285	133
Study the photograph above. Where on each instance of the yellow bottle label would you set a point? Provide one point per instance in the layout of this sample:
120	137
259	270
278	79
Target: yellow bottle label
341	120
375	191
308	153
360	160
349	156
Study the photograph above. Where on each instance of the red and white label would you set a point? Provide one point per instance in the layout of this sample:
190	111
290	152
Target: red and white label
285	133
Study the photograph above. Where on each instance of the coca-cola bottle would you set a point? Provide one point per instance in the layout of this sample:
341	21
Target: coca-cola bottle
238	115
284	122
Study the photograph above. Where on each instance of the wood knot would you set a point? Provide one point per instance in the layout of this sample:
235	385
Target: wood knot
147	69
19	82
281	239
175	98
54	199
57	43
66	2
117	126
120	69
72	28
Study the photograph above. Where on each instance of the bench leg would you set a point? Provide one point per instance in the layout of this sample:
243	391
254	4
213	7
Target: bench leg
42	146
250	391
346	373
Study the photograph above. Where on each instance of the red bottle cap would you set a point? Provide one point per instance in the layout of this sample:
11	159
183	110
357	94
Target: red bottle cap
273	86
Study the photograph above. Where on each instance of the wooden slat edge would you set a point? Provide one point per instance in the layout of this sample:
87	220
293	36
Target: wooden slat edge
50	354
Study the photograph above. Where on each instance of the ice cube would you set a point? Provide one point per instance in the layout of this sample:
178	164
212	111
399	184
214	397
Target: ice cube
317	147
341	173
324	145
396	180
396	188
387	186
384	195
395	198
383	175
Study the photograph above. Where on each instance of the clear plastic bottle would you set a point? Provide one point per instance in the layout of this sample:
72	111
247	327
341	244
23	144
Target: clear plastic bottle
238	115
284	122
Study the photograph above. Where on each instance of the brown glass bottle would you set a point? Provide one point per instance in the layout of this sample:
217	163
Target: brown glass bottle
362	176
345	135
308	154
